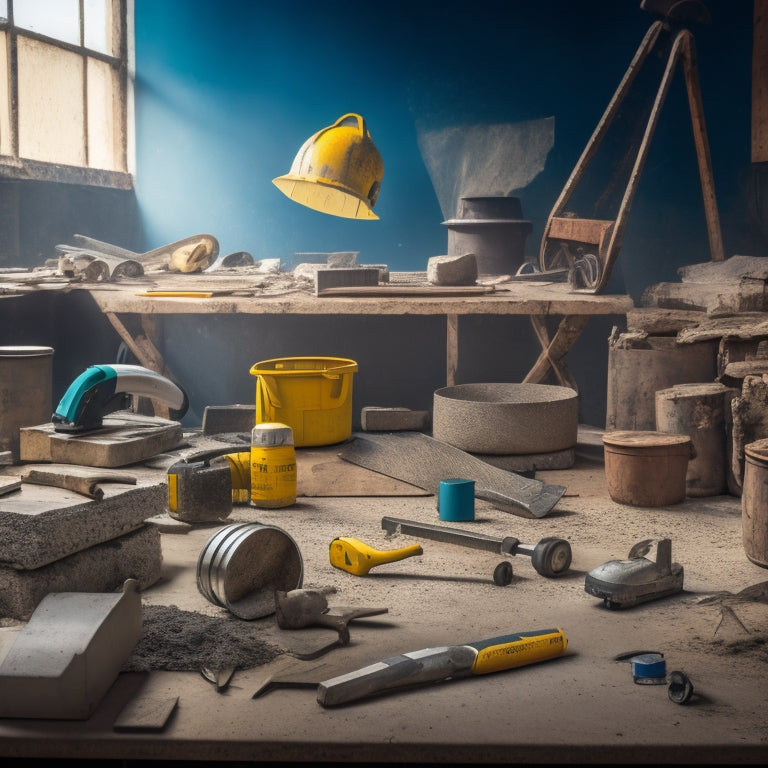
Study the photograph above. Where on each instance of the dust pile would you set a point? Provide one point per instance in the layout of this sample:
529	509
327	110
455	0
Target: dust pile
185	641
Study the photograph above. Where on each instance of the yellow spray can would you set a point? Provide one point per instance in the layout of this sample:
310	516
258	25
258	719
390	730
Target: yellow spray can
273	466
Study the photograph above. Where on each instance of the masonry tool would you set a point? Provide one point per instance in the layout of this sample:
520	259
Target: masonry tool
448	662
354	556
204	485
551	557
638	579
103	389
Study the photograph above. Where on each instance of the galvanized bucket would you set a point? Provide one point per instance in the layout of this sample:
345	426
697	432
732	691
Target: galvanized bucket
242	565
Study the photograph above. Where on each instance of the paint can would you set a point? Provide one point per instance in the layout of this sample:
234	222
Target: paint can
273	466
754	503
242	565
26	383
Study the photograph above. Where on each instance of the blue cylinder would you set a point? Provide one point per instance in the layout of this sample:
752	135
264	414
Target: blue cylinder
456	500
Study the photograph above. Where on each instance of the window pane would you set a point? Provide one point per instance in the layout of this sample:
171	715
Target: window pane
59	19
5	102
3	10
51	119
99	22
104	118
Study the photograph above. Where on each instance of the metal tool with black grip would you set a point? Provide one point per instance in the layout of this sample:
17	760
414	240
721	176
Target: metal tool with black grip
431	665
551	557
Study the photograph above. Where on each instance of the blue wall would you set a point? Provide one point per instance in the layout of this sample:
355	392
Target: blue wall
228	90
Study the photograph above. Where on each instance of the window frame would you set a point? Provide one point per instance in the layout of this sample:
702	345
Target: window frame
14	167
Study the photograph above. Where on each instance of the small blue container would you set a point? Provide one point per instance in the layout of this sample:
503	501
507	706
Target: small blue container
456	500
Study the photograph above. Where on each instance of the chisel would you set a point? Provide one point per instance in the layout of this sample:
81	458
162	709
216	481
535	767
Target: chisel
431	665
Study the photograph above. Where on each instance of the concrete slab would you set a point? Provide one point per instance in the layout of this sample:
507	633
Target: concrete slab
101	568
70	653
40	524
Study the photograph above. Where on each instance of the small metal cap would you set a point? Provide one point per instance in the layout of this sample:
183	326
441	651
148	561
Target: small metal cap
680	688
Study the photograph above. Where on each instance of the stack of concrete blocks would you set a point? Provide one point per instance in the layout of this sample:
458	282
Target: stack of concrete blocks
54	540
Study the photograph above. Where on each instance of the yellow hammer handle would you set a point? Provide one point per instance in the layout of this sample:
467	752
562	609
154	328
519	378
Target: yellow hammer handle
517	650
356	557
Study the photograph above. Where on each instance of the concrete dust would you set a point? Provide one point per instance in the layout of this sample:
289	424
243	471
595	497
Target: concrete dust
185	641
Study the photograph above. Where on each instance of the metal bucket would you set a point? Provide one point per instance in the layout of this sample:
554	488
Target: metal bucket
242	566
25	392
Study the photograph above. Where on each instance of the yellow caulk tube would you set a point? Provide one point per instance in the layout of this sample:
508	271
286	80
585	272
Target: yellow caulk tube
431	665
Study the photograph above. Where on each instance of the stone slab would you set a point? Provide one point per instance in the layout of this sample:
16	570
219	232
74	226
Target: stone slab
101	568
563	459
120	441
41	524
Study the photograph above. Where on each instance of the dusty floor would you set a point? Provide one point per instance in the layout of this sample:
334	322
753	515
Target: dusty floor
581	708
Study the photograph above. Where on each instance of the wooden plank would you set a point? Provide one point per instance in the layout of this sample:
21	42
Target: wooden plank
579	230
760	83
408	290
121	441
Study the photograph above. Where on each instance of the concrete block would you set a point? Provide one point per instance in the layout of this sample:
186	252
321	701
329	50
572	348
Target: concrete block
452	270
221	419
101	568
376	419
40	524
70	653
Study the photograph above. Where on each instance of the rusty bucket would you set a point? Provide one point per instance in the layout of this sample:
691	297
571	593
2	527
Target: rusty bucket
754	503
646	469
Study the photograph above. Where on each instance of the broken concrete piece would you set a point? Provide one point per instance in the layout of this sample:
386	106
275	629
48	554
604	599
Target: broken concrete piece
376	419
101	568
452	270
218	419
69	654
40	524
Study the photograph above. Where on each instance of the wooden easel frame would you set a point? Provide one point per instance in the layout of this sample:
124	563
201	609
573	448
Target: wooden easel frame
566	239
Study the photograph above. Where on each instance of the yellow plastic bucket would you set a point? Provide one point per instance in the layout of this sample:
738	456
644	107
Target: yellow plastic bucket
312	395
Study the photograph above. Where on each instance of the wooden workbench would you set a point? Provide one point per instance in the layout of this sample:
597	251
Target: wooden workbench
238	294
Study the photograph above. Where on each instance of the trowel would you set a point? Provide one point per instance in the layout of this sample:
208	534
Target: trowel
624	583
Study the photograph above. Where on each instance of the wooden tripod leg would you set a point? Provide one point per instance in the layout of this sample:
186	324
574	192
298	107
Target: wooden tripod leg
451	349
703	156
554	350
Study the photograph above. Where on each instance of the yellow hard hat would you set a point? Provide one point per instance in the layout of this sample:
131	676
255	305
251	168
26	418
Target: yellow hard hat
337	171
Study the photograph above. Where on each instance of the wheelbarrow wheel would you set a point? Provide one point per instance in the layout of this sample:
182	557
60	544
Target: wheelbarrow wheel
551	557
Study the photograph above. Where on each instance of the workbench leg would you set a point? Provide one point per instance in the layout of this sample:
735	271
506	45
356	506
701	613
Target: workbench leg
451	349
145	351
554	350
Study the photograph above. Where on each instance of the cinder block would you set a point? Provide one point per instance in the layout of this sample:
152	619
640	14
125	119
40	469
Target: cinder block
221	419
41	524
377	419
101	568
69	654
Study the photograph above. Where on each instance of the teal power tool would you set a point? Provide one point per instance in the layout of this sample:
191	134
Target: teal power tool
103	389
